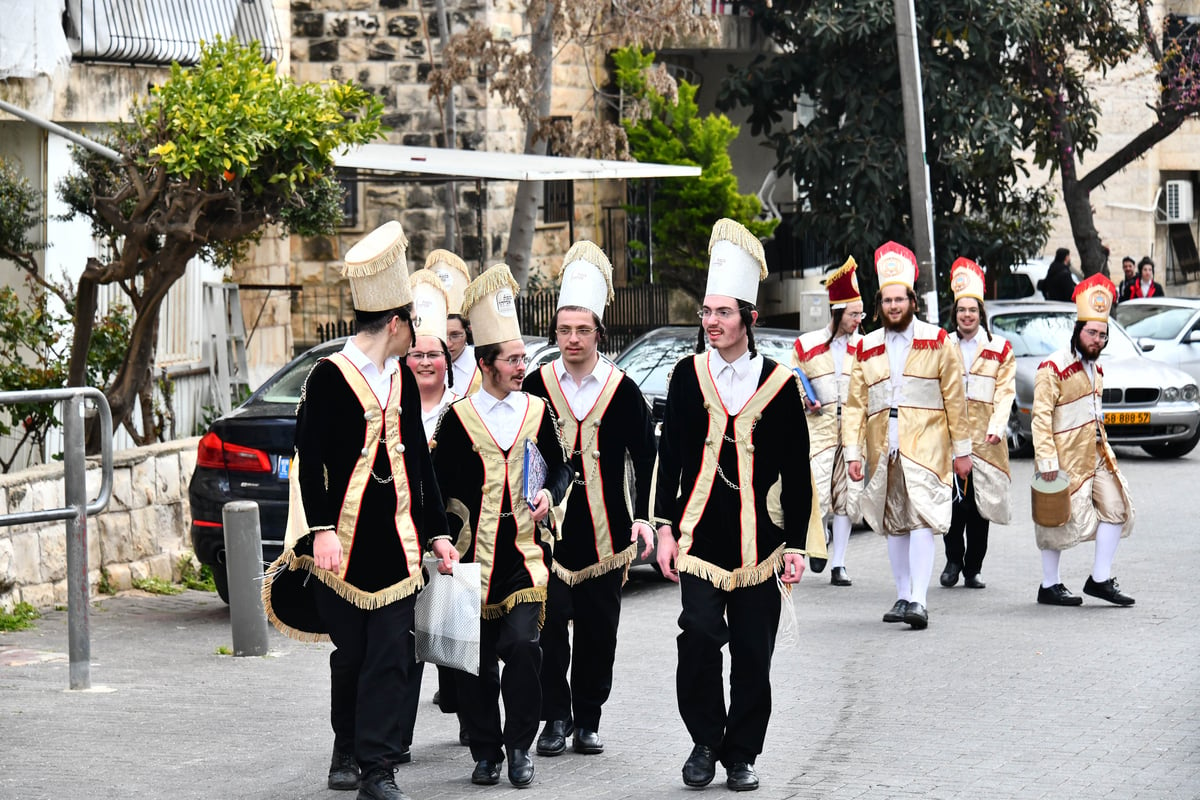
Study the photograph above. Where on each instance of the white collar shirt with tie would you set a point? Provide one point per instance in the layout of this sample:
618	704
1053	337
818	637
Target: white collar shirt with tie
502	416
736	381
583	395
380	382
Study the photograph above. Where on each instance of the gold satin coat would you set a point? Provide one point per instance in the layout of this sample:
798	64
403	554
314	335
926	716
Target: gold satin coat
990	390
812	355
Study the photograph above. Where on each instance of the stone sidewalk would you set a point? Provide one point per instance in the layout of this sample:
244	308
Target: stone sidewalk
999	698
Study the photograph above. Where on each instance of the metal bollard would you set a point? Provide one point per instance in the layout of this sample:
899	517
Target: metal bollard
244	568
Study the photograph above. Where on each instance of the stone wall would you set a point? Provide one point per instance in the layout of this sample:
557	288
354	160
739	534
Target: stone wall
143	533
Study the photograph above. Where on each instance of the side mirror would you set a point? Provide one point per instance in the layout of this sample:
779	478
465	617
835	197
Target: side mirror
1146	343
1193	337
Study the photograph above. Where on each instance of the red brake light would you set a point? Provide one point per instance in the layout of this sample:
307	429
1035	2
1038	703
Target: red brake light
212	452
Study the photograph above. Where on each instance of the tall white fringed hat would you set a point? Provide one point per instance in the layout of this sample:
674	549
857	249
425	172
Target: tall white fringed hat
966	280
454	275
490	304
429	304
586	279
736	262
377	270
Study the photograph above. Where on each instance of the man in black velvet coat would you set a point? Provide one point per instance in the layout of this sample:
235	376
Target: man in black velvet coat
370	505
486	451
603	416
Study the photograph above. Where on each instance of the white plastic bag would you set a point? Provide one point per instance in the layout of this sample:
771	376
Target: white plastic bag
447	617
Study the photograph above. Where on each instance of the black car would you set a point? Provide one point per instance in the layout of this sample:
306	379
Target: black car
247	455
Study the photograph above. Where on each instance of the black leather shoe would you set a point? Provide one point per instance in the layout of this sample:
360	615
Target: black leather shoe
701	766
343	772
587	742
486	772
520	768
950	574
896	613
1057	595
380	784
741	777
838	577
437	698
553	741
973	582
1107	590
817	565
916	615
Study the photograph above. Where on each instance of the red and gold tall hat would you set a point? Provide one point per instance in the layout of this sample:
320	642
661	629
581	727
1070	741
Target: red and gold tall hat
966	279
895	263
1094	298
842	284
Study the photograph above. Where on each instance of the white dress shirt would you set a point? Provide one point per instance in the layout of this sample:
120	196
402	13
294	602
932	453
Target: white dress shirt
464	368
501	416
429	418
898	345
837	347
380	382
583	395
1089	367
736	382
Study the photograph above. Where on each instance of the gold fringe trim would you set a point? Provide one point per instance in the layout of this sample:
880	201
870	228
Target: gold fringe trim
367	601
575	577
725	580
429	278
279	565
590	252
449	259
535	594
849	266
729	230
495	279
375	264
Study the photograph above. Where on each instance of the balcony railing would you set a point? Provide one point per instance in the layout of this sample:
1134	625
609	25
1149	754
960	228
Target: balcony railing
166	31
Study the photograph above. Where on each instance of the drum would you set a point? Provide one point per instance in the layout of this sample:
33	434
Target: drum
1051	500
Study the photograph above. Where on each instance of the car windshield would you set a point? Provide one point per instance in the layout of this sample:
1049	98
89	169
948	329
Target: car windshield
285	387
650	361
1154	322
1038	333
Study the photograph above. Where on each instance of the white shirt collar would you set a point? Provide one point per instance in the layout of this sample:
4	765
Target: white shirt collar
486	401
364	363
740	365
599	372
906	334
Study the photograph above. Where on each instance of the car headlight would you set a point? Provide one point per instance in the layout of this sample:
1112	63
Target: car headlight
1190	392
1170	394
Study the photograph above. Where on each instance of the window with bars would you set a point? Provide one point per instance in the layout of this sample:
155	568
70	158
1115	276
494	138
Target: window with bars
558	197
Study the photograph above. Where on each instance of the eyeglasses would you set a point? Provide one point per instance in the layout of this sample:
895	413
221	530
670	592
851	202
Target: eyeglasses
855	314
719	313
1101	335
454	337
432	355
512	361
565	333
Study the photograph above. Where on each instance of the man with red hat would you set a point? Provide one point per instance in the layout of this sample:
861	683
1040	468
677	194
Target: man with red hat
1069	436
989	381
905	431
824	356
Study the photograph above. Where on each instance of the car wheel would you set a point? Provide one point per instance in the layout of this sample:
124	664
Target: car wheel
1020	444
1174	449
221	580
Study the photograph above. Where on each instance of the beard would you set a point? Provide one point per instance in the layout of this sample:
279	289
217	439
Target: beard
1091	352
902	323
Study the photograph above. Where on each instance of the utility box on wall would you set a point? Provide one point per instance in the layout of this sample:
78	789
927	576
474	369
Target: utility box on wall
1179	201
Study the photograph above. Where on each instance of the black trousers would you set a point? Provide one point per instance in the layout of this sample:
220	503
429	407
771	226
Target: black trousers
372	696
746	619
513	638
965	517
595	606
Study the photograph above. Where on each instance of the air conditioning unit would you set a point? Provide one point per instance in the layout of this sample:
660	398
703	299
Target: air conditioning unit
1179	201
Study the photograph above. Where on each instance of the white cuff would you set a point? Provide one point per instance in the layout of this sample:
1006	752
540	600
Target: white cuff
1047	465
961	448
852	452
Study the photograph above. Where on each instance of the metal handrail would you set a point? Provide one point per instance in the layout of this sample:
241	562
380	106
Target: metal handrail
76	511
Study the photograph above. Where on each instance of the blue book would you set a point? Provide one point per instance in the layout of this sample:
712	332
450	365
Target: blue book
807	384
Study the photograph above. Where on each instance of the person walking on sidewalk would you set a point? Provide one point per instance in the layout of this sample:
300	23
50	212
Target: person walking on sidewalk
487	453
989	381
1069	436
603	417
352	559
905	431
737	507
463	369
824	356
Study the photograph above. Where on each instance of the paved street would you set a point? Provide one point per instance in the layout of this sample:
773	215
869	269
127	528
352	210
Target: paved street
999	698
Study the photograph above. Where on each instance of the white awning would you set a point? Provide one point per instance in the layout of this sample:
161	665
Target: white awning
472	164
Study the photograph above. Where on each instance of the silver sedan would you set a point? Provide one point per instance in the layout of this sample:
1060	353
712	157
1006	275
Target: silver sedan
1167	329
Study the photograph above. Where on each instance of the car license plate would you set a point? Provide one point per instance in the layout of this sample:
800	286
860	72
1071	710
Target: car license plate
285	467
1126	417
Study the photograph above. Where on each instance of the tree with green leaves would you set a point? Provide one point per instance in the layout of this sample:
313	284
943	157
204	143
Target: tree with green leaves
828	99
215	155
663	124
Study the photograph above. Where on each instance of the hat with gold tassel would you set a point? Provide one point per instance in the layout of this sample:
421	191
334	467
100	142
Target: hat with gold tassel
842	284
586	279
429	304
490	304
736	262
454	275
377	271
